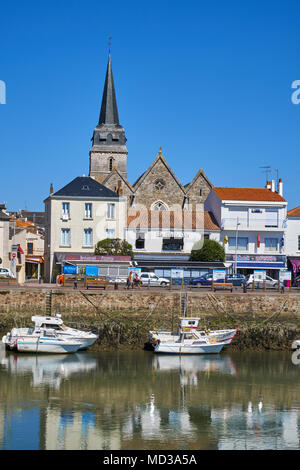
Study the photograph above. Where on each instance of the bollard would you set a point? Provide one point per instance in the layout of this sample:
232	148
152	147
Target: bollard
245	288
75	285
116	287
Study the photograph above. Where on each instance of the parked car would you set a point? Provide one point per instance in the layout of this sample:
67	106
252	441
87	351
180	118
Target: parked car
236	279
4	272
204	280
270	282
153	280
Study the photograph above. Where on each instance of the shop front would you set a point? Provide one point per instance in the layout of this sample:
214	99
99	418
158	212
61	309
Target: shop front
294	266
108	266
246	264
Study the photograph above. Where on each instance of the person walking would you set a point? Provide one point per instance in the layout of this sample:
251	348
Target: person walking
136	280
129	281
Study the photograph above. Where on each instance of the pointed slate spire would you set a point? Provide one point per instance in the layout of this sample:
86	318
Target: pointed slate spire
109	110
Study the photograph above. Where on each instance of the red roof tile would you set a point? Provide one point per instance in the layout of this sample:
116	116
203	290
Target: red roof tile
188	220
247	194
294	212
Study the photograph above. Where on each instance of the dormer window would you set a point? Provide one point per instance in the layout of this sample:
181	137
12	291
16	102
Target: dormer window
85	187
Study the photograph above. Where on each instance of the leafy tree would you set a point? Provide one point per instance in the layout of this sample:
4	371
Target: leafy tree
210	251
114	247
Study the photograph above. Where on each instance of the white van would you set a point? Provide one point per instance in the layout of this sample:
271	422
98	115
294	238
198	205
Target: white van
153	280
4	272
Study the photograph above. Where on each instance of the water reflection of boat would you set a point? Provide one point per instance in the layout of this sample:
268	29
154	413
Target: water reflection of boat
212	363
47	369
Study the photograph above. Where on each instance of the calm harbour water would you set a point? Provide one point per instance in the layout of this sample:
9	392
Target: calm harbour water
138	400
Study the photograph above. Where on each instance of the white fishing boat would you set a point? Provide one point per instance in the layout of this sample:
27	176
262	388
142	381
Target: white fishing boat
47	323
213	336
45	341
187	341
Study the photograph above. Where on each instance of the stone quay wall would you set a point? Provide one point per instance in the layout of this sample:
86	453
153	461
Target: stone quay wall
123	318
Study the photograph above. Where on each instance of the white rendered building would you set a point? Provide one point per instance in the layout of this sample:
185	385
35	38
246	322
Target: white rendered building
77	217
253	226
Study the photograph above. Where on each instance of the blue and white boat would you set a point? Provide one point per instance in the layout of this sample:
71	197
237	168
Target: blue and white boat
44	341
49	324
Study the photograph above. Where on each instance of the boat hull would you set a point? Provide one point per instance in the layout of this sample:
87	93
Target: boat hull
40	345
173	348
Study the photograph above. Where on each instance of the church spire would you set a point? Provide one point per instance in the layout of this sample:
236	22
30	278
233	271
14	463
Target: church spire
109	150
109	110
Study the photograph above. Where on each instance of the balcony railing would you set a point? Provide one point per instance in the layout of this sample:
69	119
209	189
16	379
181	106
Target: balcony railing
230	223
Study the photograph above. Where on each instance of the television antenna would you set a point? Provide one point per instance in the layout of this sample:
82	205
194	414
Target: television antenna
267	170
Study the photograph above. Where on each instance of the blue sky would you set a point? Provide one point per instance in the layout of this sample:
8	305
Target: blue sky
210	82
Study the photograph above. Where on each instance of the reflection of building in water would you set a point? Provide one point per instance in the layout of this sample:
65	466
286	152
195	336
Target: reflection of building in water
256	427
71	430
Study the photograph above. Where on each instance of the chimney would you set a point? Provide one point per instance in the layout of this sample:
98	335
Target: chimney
120	189
268	185
280	187
273	186
51	189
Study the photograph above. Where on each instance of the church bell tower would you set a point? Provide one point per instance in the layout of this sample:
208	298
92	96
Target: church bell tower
109	149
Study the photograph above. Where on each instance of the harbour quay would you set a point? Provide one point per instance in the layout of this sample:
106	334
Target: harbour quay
123	319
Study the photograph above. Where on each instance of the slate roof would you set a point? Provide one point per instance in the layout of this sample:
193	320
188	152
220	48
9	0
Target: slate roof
109	110
247	194
294	212
85	187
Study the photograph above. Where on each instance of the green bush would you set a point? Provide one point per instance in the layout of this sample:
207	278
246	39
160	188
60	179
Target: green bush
210	251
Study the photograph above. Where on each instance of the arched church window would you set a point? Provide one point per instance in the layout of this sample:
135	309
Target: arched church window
159	206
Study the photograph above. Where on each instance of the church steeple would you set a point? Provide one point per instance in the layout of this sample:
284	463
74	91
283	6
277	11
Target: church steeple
109	142
109	109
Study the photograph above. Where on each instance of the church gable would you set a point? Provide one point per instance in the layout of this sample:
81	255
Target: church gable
116	182
198	190
159	185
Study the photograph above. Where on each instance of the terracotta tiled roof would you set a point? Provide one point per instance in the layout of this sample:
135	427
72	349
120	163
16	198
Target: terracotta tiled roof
248	194
210	222
23	223
184	219
294	212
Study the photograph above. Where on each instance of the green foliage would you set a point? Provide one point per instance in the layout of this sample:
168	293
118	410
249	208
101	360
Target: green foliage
210	251
114	247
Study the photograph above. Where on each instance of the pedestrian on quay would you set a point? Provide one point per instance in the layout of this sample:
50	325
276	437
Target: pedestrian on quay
136	280
129	281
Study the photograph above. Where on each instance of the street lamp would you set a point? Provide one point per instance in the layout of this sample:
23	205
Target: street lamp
236	242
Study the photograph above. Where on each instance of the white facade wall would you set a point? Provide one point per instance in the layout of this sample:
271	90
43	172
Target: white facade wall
77	221
4	243
292	236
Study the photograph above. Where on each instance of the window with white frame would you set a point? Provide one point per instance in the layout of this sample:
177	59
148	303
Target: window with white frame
241	243
110	211
110	233
88	210
88	237
271	244
65	237
65	210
